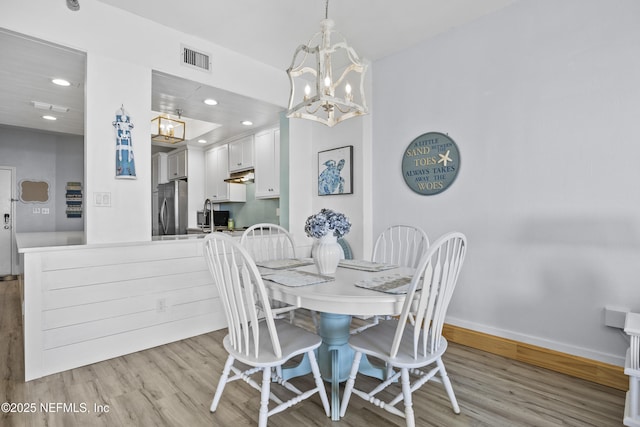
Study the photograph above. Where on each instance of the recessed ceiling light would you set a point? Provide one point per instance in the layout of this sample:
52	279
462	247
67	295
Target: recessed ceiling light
246	122
61	82
210	101
202	141
49	118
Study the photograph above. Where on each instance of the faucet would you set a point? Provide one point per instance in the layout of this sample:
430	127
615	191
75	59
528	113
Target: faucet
209	209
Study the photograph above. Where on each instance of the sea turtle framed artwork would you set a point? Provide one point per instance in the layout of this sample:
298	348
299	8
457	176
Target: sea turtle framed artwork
335	171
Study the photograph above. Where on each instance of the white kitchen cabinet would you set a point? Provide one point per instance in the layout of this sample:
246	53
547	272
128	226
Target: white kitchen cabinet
267	164
177	165
158	170
241	154
216	171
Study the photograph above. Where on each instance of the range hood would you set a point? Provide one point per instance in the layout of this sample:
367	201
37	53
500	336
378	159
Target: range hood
244	177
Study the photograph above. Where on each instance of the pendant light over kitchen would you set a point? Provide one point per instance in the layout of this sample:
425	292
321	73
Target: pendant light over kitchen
168	130
316	94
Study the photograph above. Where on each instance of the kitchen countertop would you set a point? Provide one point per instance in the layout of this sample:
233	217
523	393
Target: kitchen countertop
197	233
234	232
49	239
27	241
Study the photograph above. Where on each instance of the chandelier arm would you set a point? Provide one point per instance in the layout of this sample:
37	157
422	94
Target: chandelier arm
313	111
307	51
292	92
347	70
301	71
308	103
341	110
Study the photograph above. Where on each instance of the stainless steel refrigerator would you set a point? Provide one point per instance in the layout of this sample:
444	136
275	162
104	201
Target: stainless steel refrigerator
172	208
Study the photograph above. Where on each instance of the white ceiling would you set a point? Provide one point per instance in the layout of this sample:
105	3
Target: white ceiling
172	93
26	70
267	30
271	30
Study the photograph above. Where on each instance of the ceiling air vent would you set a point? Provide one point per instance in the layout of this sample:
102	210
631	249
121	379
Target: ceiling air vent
195	59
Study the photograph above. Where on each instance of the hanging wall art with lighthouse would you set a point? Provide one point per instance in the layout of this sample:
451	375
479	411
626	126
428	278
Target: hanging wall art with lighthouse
125	163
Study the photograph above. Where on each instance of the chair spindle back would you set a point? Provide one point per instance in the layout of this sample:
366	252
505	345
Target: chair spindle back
403	245
267	242
242	292
436	276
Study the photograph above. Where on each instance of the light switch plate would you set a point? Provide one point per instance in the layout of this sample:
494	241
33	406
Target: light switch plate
102	199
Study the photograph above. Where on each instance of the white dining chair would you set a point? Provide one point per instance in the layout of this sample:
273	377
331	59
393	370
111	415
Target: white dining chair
256	339
410	349
266	242
402	245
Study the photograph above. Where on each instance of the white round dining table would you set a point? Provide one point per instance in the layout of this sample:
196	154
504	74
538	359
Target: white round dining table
336	301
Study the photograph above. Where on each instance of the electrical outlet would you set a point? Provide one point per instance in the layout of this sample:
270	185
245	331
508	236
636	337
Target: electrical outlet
161	305
45	211
615	316
36	210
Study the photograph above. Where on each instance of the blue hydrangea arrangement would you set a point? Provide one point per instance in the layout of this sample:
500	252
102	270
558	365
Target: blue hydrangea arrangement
327	220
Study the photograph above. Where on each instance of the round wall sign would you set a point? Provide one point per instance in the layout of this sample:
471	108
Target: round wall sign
431	163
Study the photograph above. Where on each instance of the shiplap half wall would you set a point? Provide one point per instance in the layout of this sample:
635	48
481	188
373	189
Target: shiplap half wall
84	304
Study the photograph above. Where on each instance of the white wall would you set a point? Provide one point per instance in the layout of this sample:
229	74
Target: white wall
69	168
196	193
542	99
84	304
59	160
122	50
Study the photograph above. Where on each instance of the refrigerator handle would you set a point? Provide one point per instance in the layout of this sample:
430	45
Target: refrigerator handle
163	214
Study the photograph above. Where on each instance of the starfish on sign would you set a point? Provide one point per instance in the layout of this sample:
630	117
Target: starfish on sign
444	158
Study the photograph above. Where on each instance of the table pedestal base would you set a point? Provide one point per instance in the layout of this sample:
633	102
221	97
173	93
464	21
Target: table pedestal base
334	358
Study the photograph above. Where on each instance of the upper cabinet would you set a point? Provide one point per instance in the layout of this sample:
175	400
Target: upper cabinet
177	165
216	171
158	170
267	164
241	154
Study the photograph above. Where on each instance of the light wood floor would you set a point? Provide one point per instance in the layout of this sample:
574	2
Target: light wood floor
173	385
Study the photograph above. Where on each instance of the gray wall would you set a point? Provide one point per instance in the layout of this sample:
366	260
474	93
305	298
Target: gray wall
55	158
542	99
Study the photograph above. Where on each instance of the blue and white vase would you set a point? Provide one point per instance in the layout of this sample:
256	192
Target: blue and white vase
327	254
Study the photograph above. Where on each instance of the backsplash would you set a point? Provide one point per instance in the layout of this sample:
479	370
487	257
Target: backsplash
253	211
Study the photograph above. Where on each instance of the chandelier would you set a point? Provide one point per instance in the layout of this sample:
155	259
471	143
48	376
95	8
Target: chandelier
168	130
327	81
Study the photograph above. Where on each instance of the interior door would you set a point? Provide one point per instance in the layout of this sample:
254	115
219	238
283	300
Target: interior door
6	222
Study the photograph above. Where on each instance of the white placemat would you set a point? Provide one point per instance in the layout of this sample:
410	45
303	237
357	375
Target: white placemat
360	264
296	278
392	284
283	264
